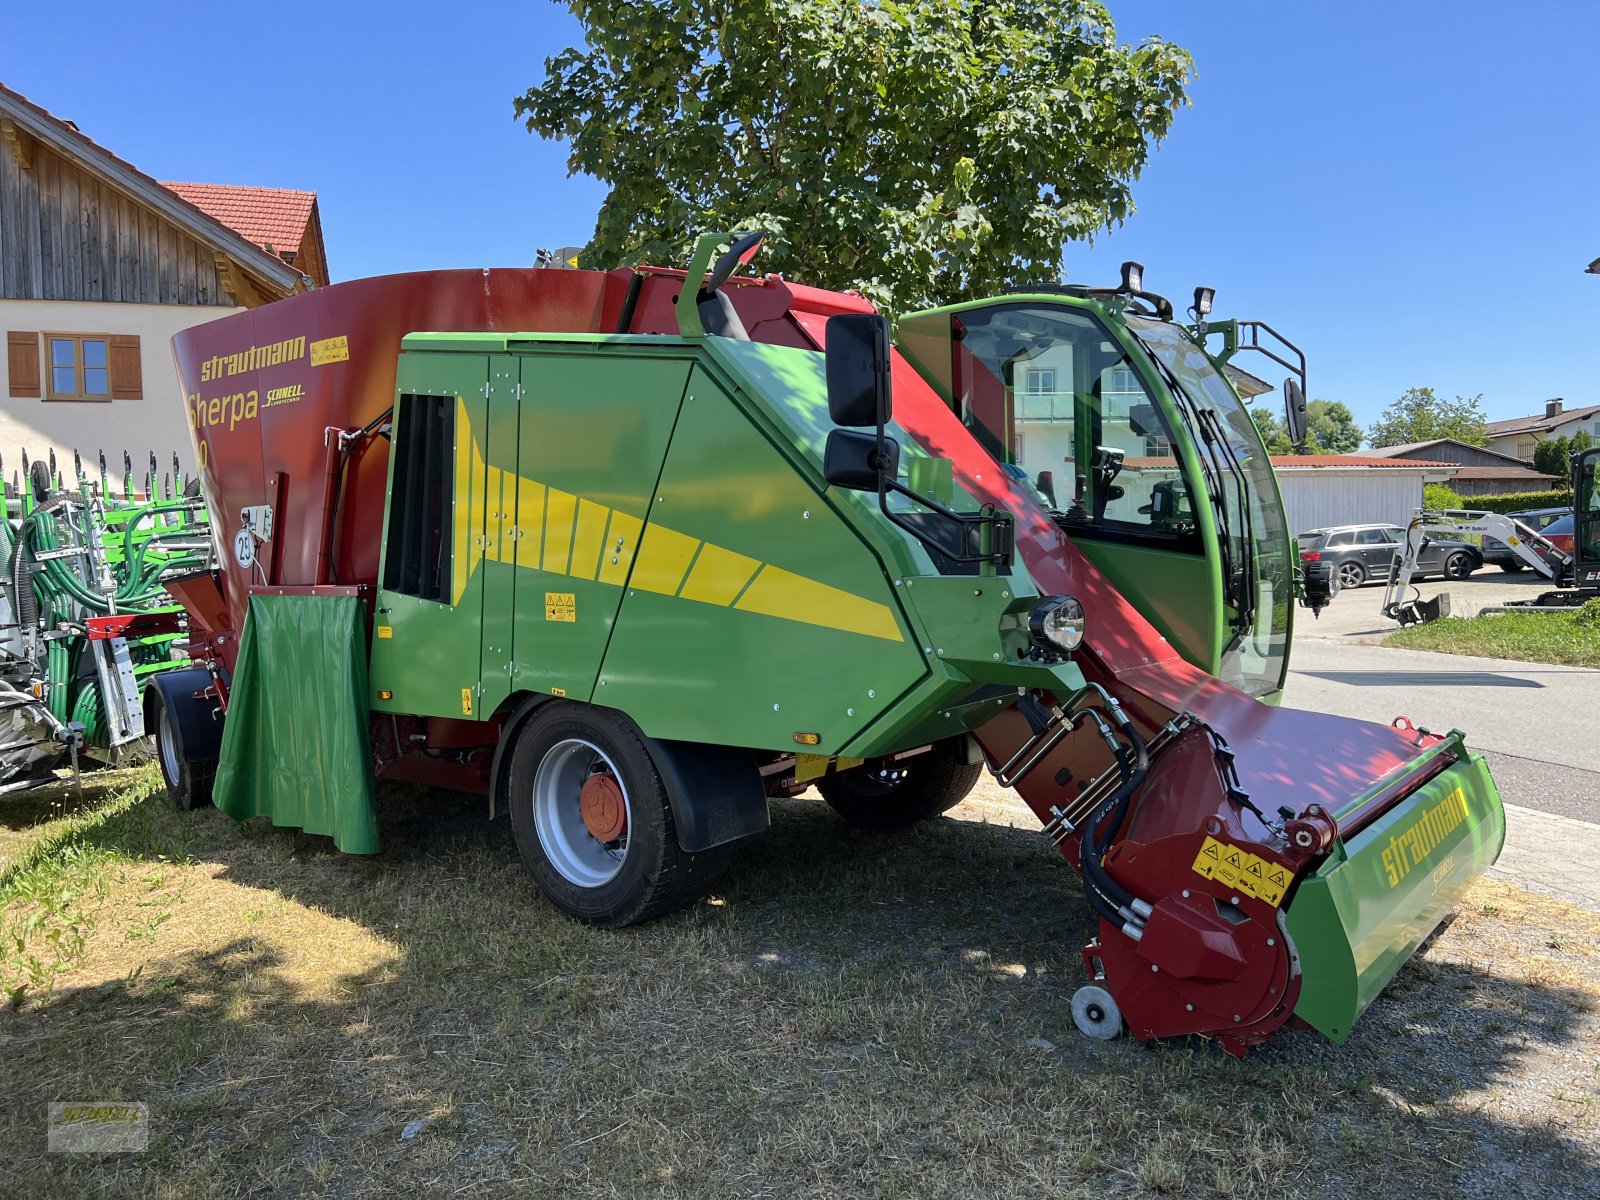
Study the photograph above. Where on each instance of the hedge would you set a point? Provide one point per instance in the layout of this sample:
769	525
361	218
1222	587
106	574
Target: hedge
1517	501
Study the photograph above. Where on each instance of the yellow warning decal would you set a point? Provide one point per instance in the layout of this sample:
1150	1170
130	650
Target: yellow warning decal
466	702
385	631
1242	871
558	691
330	350
560	606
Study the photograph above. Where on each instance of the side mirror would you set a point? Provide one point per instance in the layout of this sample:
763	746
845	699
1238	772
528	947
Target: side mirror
852	460
858	369
1143	421
1294	411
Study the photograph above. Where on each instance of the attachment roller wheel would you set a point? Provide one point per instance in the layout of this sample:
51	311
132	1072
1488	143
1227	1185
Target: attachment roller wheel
1096	1014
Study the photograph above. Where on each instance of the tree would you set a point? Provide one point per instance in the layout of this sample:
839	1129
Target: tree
1421	416
1273	431
1553	456
1332	426
923	152
1436	497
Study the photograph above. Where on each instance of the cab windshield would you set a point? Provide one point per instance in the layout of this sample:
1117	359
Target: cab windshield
1257	566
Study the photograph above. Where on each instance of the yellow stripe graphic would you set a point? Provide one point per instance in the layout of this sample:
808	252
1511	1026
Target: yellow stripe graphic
563	534
718	576
663	560
790	597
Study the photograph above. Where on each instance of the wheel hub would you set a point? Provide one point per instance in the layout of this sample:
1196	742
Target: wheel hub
604	811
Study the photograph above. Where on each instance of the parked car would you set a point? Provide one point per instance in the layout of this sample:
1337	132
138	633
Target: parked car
1562	533
1537	519
1359	554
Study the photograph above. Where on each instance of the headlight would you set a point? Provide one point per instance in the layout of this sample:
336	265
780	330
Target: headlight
1056	624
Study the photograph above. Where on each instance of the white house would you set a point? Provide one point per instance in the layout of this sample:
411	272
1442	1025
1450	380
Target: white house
1321	490
1517	436
99	266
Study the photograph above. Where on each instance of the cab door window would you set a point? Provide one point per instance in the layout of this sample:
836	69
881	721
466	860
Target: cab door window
1048	391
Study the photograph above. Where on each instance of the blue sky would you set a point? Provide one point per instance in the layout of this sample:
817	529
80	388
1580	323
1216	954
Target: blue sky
1406	189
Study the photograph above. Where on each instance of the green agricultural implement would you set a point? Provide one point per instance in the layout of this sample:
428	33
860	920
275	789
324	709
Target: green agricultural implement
84	619
632	552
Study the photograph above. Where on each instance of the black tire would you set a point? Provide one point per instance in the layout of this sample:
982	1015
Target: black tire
1460	565
655	875
1511	568
1351	574
915	789
188	780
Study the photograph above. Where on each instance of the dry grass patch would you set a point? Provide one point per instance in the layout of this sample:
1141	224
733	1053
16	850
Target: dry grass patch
851	1015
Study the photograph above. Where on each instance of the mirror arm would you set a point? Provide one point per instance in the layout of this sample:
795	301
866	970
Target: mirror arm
688	303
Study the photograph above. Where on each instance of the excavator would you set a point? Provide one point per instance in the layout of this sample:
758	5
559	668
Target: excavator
1575	574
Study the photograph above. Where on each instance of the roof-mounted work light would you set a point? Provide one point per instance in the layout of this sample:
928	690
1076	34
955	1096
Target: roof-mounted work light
1203	296
1132	277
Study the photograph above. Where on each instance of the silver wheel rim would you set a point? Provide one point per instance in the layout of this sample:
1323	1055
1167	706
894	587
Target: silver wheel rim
1350	576
578	856
166	748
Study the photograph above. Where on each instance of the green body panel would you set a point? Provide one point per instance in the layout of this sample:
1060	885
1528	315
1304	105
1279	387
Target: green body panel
500	531
430	658
1171	589
1381	894
296	747
720	670
595	428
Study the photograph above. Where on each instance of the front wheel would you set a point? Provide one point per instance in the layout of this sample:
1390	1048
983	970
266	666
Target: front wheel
593	823
1459	565
1512	567
188	781
894	795
1351	575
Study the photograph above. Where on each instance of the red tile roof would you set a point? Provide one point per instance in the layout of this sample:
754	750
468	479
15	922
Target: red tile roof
1351	460
276	219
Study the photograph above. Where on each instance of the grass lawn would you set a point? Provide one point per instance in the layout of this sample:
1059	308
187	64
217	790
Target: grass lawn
850	1015
1570	638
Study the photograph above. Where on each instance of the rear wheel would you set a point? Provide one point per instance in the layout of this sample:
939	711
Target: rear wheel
1512	567
1459	565
1352	574
894	795
188	781
593	822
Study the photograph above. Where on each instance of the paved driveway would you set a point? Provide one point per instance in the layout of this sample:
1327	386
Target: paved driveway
1538	725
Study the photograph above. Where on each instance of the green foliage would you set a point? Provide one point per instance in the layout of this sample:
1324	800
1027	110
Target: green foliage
1507	502
1436	497
1332	427
922	152
1553	457
1588	616
1421	416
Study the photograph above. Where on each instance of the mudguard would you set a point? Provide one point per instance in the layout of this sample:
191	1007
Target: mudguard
196	724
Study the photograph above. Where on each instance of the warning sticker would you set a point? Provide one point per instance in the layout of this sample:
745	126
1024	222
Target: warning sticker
560	606
386	631
330	350
466	702
1242	871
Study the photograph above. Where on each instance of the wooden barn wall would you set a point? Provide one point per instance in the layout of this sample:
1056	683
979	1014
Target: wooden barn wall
66	235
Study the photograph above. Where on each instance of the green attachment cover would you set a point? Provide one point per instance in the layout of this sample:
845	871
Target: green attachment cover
1380	895
296	747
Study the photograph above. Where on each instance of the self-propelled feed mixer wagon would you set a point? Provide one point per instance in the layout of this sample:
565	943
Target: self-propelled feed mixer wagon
632	554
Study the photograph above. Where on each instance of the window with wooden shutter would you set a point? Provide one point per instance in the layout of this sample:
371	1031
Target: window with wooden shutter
22	364
127	378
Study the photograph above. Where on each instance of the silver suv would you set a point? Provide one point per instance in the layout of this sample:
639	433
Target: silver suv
1357	554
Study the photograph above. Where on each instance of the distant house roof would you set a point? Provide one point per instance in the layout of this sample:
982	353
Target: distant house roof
280	221
23	118
1440	447
1538	424
1306	461
1537	481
